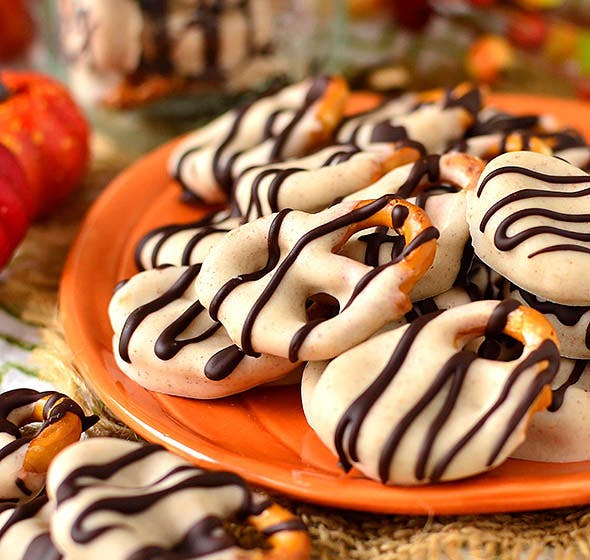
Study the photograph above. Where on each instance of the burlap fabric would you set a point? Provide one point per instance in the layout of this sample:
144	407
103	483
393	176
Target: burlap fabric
30	286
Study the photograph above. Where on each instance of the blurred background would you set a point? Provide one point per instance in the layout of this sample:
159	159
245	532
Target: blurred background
165	65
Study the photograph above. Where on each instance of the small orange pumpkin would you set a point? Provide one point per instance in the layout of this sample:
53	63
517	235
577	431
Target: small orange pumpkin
46	131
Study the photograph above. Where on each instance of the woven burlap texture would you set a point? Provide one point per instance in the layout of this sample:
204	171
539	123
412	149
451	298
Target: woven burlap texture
30	288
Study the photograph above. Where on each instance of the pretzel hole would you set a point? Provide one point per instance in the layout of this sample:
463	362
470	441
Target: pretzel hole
321	306
501	348
29	429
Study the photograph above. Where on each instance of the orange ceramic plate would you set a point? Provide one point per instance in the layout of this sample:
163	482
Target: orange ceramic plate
262	435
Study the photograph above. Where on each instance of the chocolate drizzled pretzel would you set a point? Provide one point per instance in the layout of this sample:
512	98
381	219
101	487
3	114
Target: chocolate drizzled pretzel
314	182
496	132
288	124
127	501
165	340
123	53
448	413
24	460
528	218
444	206
258	279
437	120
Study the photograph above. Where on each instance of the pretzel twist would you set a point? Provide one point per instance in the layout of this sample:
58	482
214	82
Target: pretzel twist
62	423
445	208
147	500
433	120
285	533
288	124
246	299
448	412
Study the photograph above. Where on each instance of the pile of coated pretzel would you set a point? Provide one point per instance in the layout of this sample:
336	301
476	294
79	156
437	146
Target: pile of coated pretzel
373	254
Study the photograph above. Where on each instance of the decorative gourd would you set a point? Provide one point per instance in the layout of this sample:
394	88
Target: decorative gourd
46	131
15	202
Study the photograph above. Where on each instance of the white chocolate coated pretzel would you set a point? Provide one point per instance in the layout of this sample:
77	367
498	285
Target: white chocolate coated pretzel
259	278
165	340
496	132
412	406
312	183
288	124
436	120
528	218
24	459
122	500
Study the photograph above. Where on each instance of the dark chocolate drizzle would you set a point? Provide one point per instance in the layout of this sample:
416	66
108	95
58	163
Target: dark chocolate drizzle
471	101
504	242
316	91
156	11
503	123
222	363
42	548
274	253
558	394
384	131
565	139
169	346
213	223
428	166
451	375
223	172
499	317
